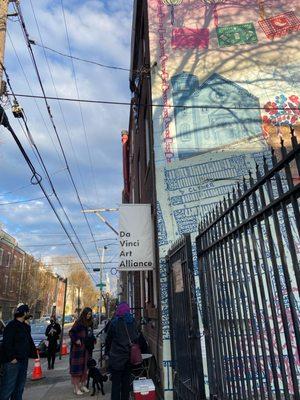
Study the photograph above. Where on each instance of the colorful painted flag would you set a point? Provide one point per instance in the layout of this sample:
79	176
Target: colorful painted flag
232	35
189	38
280	25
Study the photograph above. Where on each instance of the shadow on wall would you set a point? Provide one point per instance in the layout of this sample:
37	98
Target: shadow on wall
201	129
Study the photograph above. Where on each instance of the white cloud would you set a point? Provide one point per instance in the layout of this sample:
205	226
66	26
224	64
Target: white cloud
98	30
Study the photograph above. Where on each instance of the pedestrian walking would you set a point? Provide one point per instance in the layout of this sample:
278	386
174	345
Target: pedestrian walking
121	334
52	333
18	347
79	353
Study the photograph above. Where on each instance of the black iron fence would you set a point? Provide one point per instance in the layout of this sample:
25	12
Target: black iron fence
184	328
248	250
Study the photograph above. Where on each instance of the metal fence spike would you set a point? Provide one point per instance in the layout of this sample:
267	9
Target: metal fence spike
273	158
266	168
239	189
244	184
292	130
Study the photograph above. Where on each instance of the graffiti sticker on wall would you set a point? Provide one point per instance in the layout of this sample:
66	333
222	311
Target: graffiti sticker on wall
280	25
232	35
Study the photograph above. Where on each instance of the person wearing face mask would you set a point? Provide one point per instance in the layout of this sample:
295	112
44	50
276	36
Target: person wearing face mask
79	354
18	347
52	333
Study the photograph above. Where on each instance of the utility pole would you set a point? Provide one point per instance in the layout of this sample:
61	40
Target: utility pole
53	312
63	317
78	300
3	25
101	283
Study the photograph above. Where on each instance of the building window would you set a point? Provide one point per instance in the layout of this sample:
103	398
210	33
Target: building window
5	285
1	256
8	259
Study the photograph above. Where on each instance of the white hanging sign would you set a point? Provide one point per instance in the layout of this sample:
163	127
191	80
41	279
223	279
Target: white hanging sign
136	238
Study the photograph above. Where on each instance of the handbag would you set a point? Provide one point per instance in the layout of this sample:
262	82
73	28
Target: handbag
135	350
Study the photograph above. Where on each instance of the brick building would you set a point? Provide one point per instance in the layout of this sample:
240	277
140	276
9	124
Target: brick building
26	280
200	119
140	287
11	266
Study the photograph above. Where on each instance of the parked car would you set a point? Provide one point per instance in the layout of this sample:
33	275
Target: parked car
45	319
69	319
39	337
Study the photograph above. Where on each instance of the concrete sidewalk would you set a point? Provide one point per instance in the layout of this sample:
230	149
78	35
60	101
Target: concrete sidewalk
56	385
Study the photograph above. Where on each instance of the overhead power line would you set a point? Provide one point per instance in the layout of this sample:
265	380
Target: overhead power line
5	122
93	175
126	103
41	161
81	59
23	201
67	130
59	244
26	186
37	179
28	42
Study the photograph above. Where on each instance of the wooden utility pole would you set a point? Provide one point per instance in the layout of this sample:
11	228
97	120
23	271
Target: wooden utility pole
3	24
63	317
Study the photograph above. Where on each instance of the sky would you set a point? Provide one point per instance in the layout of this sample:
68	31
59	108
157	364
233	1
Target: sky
97	30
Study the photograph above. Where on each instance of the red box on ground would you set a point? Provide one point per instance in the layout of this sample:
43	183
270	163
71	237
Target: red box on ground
144	389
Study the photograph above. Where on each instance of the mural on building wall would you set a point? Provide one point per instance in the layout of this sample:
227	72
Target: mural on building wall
280	25
200	128
225	96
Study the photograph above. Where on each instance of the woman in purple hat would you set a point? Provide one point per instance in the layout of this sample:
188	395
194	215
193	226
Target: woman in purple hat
121	334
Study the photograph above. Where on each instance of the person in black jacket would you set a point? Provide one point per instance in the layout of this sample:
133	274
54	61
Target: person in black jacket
121	332
90	341
52	333
18	347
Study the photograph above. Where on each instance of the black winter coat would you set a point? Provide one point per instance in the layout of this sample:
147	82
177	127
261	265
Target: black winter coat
117	345
17	342
53	333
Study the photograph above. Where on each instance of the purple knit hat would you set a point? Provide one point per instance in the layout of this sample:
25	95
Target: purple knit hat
122	309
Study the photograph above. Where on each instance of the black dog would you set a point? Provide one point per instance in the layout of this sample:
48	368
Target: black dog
96	376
